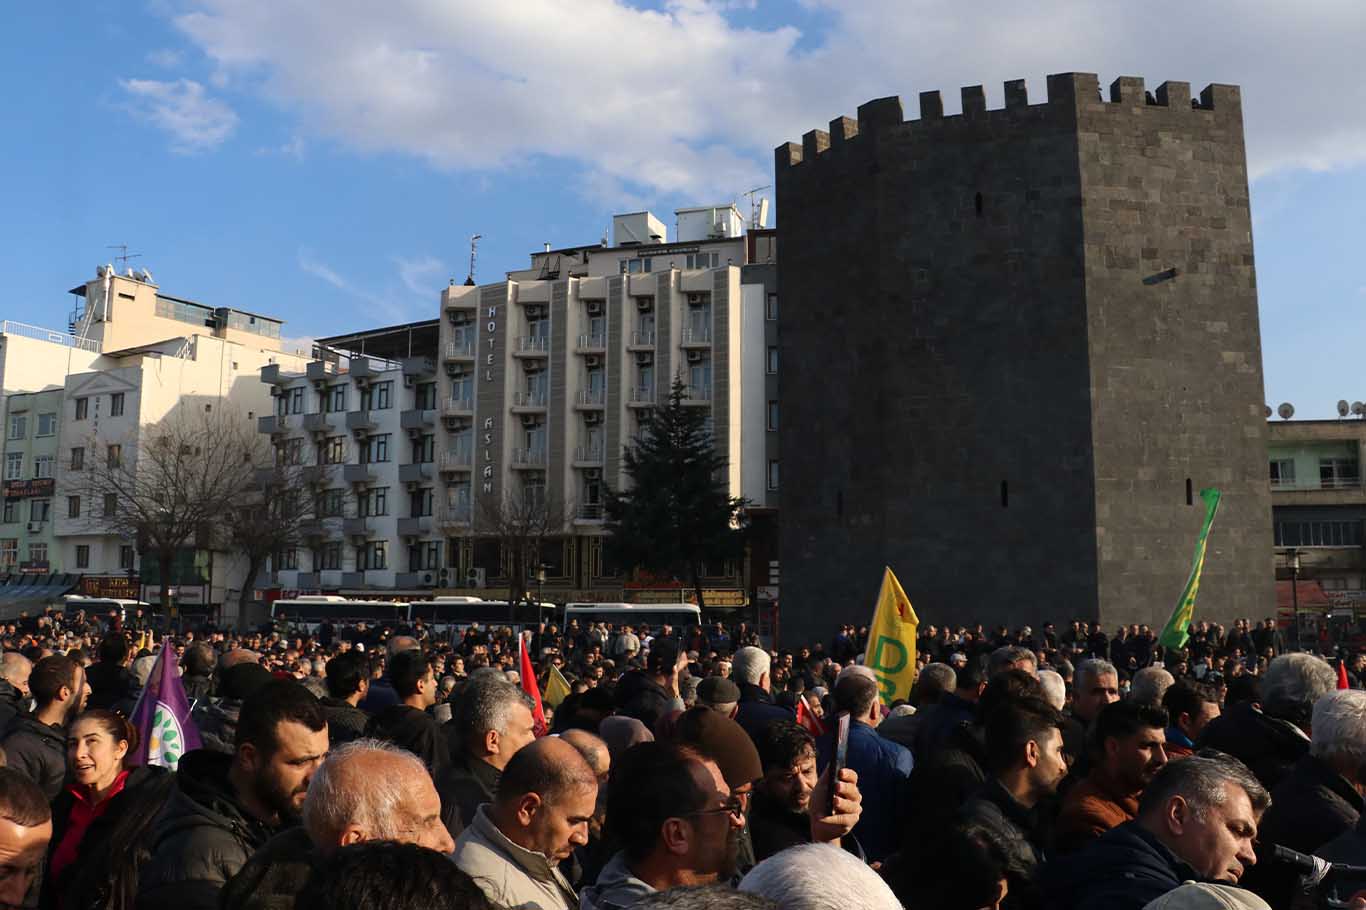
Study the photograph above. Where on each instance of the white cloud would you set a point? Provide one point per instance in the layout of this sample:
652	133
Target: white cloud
320	270
424	276
195	121
166	58
682	101
381	302
294	148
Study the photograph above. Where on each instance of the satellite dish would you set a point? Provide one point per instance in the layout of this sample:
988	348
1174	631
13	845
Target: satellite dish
1343	408
1358	408
1286	410
1268	411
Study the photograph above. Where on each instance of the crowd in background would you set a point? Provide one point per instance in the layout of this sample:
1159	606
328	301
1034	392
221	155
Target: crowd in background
345	766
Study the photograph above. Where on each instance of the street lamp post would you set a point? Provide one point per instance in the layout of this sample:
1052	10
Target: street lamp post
540	584
1293	559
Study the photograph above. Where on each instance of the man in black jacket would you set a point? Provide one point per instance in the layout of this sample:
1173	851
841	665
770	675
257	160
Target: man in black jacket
649	694
408	723
36	743
348	681
492	722
1197	820
15	669
750	669
110	681
227	806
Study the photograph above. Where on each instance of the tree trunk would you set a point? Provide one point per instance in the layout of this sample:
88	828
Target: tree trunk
165	558
244	598
696	569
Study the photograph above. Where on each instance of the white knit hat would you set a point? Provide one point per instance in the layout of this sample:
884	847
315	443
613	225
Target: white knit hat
1201	896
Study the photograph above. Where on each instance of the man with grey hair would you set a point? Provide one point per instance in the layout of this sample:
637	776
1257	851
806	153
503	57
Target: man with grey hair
1270	736
14	699
1197	820
819	877
1096	685
492	721
1320	799
750	671
365	790
932	683
1054	689
1149	685
1012	657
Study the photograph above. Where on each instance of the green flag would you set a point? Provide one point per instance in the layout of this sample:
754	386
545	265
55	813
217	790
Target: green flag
1175	632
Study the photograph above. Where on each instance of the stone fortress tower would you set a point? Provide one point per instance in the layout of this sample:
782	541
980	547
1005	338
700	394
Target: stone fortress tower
1016	344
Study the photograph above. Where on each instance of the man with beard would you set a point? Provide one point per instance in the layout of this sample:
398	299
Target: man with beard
541	812
1127	750
227	806
782	814
678	820
36	743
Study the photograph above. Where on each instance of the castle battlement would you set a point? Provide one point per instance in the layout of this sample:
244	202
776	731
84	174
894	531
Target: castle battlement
1070	91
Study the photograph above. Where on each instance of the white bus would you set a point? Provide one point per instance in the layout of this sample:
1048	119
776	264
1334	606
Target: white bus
463	612
310	610
682	616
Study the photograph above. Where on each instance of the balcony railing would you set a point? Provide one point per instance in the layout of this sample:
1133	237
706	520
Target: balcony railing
457	514
1326	483
456	407
592	343
700	394
456	459
588	455
528	400
590	511
593	397
459	350
642	396
642	339
535	345
696	336
528	457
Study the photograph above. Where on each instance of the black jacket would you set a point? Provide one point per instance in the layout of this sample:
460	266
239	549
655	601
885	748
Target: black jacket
465	785
1312	806
39	751
1125	868
114	848
1268	746
12	704
639	696
216	721
943	782
201	839
414	730
110	685
345	722
757	711
275	875
1348	849
996	807
198	687
937	723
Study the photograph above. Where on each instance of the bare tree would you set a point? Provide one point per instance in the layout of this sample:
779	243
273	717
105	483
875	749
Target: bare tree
270	517
522	521
166	486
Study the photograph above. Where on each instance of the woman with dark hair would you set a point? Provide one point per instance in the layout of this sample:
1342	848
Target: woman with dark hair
101	821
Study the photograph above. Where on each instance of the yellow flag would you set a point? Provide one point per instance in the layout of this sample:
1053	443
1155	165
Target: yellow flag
556	688
891	641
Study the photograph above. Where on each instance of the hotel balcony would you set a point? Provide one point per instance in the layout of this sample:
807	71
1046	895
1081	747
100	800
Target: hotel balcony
352	579
458	351
461	459
356	526
588	457
591	399
528	458
457	407
591	344
697	395
319	370
273	425
316	423
528	402
271	375
589	513
414	473
641	341
360	420
641	398
417	419
453	516
699	337
420	367
358	473
531	346
459	299
417	526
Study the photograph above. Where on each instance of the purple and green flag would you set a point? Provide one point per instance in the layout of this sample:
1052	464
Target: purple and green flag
162	715
1177	629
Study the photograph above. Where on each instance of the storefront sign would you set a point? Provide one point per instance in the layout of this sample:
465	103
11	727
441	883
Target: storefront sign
34	565
21	489
117	586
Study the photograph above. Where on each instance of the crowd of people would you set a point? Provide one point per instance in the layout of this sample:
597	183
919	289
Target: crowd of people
352	767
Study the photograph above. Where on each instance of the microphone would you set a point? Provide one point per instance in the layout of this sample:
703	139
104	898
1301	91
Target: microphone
1314	869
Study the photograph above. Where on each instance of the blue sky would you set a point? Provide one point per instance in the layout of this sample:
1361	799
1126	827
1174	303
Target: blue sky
327	162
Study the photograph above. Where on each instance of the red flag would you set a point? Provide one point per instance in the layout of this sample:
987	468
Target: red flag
811	722
1342	675
530	687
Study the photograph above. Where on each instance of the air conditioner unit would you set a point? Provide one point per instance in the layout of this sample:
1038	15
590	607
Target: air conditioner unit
413	486
427	579
645	358
530	420
594	307
409	381
277	392
452	370
695	299
477	578
450	421
695	356
35	527
535	311
592	361
592	418
592	474
645	304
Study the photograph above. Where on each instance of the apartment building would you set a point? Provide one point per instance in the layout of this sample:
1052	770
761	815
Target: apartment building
133	357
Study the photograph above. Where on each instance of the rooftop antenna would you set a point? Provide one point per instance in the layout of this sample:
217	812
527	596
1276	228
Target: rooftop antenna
757	211
124	255
474	250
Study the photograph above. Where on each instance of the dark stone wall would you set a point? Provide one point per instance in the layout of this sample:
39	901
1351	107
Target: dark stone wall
954	354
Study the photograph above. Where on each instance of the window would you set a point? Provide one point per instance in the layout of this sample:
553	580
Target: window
296	400
78	458
43	464
773	474
286	560
18	426
11	511
425	398
420	503
533	490
374	555
294	451
82	408
771	308
116	404
772	359
1318	533
73	507
1283	472
374	502
424	556
462	387
375	450
114	456
9	553
772	414
334	450
378	397
82	556
1339	472
47	424
334	399
424	449
330	558
40	510
14	466
111	504
126	558
37	553
702	260
332	503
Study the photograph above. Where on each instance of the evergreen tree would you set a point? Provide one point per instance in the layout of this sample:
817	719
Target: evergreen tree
676	513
